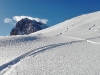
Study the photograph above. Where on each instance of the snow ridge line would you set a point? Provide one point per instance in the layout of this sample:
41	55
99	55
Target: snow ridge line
5	67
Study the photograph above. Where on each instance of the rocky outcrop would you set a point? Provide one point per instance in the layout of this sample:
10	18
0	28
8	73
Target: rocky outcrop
26	26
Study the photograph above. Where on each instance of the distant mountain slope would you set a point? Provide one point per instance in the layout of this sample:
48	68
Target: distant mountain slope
68	48
27	26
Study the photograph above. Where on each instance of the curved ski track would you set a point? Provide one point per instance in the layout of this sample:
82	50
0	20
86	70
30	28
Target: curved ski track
6	68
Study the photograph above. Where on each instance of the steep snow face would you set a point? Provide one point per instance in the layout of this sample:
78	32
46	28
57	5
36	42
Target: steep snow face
27	26
68	48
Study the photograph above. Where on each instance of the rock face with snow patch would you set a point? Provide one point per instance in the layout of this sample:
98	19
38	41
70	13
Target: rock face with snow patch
27	26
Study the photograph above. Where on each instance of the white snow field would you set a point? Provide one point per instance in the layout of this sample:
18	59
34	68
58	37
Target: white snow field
68	48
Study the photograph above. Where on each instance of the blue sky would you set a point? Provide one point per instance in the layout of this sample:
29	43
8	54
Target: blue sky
55	11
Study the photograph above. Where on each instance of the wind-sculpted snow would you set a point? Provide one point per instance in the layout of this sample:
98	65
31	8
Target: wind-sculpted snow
68	48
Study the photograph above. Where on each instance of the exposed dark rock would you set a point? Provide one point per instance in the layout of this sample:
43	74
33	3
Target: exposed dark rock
26	26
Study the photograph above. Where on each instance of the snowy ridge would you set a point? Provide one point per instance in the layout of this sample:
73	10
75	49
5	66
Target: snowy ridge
68	48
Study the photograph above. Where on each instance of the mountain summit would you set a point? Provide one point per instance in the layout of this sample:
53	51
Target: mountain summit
27	26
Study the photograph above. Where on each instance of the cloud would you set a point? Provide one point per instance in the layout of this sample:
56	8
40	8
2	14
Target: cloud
44	21
18	18
7	20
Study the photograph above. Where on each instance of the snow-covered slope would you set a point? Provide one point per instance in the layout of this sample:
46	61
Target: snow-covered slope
68	48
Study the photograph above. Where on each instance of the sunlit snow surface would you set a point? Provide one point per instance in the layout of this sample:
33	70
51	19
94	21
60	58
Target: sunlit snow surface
68	48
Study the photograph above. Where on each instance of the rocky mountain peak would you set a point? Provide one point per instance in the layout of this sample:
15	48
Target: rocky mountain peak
27	26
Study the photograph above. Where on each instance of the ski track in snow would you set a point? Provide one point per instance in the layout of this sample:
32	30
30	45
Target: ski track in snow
87	40
6	68
10	65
